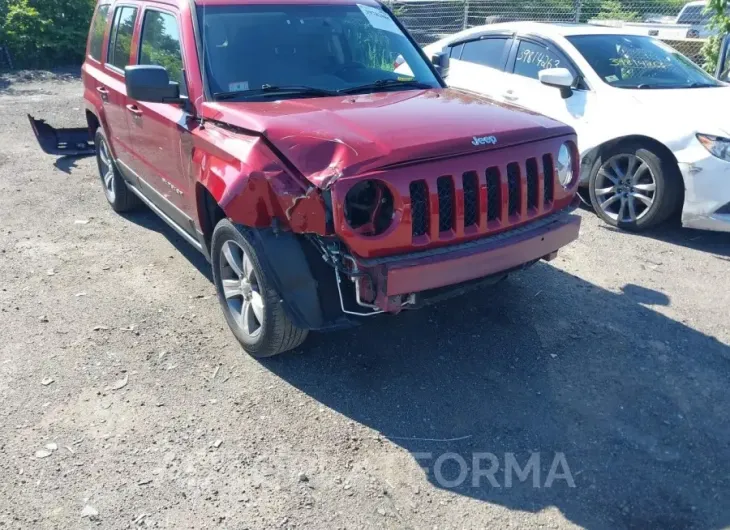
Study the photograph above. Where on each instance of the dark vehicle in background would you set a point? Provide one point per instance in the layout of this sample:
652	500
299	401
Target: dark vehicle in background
723	63
323	186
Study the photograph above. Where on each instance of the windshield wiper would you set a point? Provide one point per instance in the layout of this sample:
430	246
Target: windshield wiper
273	90
384	83
701	85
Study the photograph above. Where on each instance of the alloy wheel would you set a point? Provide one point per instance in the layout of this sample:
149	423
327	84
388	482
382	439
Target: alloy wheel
106	170
241	289
625	188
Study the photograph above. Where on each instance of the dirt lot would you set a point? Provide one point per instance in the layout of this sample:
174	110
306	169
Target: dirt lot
125	402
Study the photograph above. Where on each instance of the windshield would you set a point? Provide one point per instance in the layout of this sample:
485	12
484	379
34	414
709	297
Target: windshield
632	61
290	50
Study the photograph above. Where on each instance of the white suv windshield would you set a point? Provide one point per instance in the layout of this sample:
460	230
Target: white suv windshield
630	61
290	50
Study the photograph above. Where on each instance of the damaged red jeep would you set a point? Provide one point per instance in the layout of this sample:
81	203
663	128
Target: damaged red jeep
276	138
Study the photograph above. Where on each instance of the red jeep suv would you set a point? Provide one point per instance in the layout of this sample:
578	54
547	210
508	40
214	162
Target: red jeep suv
276	138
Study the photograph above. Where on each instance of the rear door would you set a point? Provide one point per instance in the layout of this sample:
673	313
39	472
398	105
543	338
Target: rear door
478	64
158	130
113	90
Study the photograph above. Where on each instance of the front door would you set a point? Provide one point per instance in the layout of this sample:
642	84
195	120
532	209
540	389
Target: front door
526	90
158	130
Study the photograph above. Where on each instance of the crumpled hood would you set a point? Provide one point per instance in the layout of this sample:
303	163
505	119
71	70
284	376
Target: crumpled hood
327	138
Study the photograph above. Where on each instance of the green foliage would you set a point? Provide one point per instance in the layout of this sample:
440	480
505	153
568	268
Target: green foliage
614	10
720	23
41	33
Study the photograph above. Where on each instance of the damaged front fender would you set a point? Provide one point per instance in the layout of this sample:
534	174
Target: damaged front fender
254	188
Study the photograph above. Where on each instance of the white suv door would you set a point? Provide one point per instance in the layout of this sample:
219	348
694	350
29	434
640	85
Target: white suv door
524	88
478	64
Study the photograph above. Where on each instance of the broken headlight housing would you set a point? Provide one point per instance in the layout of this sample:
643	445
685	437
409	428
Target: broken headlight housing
369	207
716	145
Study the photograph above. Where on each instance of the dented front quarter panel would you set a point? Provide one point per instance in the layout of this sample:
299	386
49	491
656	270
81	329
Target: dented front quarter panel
707	188
250	183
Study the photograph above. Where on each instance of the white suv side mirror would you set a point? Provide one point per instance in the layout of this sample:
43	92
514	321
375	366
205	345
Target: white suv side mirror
559	78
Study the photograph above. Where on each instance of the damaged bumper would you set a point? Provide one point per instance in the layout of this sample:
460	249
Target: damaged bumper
62	142
707	194
393	283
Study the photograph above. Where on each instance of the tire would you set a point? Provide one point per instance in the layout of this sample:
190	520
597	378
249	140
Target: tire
116	191
655	187
275	333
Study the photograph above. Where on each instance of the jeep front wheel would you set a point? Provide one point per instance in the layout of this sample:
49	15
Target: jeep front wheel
253	309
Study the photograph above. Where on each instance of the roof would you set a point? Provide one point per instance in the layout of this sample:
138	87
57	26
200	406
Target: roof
551	30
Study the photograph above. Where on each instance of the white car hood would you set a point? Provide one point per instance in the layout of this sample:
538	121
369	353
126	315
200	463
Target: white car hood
705	110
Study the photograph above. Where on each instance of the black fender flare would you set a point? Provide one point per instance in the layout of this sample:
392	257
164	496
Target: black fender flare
285	265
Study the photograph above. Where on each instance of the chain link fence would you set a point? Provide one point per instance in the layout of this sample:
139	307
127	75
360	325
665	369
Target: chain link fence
680	23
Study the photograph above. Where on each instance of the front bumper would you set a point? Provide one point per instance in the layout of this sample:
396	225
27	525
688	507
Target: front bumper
707	191
397	278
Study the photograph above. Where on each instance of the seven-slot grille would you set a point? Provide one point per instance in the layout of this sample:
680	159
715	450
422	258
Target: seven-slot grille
528	187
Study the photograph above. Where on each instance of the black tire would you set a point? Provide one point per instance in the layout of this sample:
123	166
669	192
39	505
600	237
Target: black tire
669	186
115	188
277	333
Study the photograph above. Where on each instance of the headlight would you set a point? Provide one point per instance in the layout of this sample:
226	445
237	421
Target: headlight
716	145
565	165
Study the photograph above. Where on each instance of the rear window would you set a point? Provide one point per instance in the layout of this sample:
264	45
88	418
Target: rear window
120	44
98	28
487	52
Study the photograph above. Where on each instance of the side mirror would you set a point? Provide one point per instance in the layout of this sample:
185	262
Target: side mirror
151	83
441	61
559	78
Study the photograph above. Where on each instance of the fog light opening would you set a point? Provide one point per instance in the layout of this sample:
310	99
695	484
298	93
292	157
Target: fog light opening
369	208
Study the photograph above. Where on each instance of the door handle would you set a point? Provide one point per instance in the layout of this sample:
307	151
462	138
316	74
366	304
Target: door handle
103	92
135	110
510	96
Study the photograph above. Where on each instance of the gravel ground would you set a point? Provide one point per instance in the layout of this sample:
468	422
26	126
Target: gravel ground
125	402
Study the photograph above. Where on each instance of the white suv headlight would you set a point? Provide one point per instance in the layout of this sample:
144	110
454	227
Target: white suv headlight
565	165
716	145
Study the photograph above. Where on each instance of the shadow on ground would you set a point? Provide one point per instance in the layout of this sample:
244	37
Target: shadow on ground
546	363
144	217
673	233
637	402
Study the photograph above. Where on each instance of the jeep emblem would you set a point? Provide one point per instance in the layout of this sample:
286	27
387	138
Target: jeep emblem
484	140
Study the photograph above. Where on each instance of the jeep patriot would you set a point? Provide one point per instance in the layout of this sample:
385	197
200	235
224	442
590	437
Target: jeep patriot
276	138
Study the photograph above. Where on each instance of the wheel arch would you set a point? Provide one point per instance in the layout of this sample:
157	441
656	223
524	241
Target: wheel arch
589	158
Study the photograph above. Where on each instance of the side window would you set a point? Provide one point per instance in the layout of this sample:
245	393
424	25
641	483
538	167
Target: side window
98	27
487	52
532	58
120	43
160	45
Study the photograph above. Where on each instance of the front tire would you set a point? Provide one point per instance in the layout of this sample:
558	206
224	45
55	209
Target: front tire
252	307
633	188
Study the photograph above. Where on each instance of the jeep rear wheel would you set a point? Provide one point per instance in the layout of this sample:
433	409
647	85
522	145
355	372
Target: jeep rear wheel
252	308
116	191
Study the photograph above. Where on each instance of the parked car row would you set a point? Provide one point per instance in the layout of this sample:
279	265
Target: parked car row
323	187
653	128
